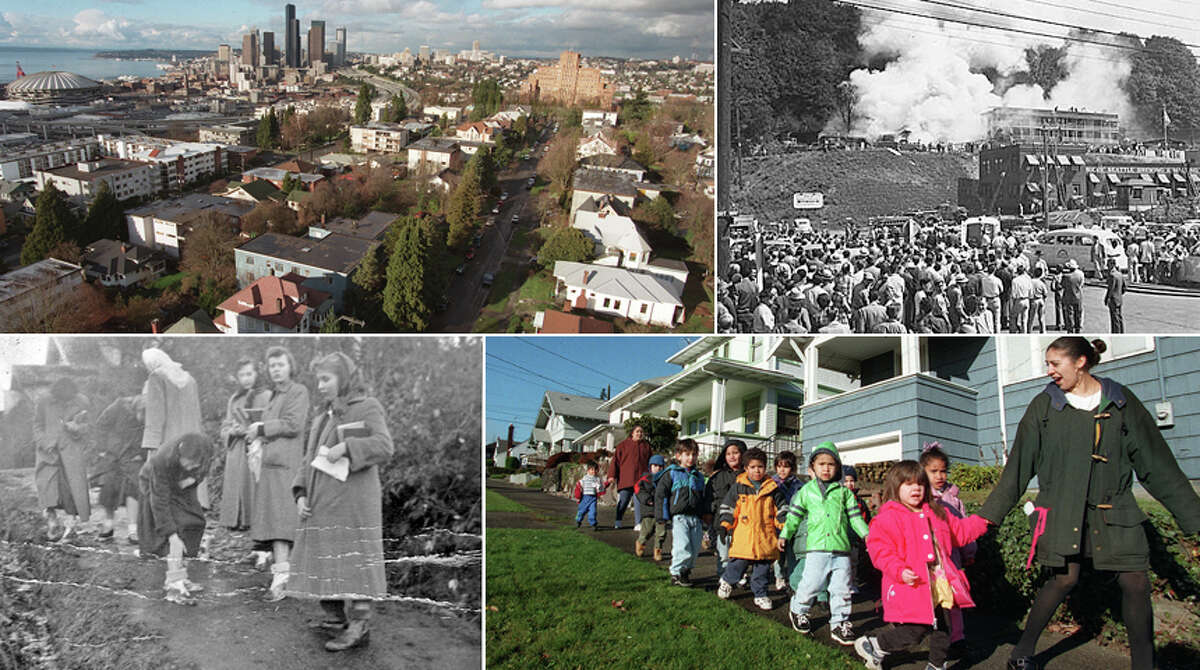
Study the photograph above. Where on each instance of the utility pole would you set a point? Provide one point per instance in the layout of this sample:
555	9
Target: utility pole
1046	158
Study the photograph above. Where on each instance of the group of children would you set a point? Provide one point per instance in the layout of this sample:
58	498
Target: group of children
810	532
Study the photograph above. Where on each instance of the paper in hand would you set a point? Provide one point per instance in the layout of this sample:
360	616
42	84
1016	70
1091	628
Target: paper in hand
254	458
339	469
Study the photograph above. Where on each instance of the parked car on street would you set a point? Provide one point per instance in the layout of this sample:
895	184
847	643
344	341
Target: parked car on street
488	278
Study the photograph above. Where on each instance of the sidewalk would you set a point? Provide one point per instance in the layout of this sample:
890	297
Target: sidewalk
991	638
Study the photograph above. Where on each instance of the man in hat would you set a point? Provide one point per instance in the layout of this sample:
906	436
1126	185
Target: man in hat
1114	297
1072	297
1020	296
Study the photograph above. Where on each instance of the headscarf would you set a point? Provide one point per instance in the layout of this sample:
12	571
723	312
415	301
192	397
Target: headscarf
157	360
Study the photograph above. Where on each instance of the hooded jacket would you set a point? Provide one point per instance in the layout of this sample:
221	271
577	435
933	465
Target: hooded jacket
1055	442
950	500
751	516
680	491
830	516
899	540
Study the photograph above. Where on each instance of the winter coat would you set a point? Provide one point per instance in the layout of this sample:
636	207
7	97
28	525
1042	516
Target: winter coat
644	489
237	490
172	410
899	539
718	485
1055	442
273	514
751	517
119	436
169	502
339	548
60	462
830	516
950	500
681	491
788	486
632	458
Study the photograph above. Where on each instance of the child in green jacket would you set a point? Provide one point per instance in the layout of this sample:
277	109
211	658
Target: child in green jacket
829	510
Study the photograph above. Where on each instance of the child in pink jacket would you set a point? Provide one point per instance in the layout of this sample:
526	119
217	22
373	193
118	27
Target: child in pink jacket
911	540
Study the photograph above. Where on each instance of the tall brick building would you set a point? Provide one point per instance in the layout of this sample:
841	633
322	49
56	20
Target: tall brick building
569	83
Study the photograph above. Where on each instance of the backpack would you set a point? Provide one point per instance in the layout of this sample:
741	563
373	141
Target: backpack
577	494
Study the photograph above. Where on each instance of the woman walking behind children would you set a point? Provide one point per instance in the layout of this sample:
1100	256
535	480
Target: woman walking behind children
60	464
273	519
749	515
338	556
910	542
628	463
171	522
1084	437
243	408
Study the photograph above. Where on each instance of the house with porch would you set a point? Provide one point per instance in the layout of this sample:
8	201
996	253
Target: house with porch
563	418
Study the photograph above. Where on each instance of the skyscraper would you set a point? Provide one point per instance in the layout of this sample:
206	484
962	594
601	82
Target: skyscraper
268	48
223	52
339	58
316	42
423	51
250	49
291	31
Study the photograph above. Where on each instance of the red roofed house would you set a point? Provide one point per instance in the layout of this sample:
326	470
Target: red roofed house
477	131
555	322
275	305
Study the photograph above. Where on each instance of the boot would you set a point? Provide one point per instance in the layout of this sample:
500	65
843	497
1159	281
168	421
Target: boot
639	548
355	635
657	554
279	572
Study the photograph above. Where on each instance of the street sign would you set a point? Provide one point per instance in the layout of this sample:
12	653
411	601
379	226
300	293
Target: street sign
808	200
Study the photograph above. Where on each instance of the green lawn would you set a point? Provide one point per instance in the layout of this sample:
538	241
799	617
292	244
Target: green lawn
539	287
168	281
502	286
495	502
551	597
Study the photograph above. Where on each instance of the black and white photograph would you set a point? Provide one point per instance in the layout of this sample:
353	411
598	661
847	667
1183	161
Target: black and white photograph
275	502
930	166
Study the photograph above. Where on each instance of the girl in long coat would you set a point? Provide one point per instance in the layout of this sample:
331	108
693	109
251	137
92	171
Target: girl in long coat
273	517
339	547
172	405
119	432
60	473
1084	437
237	491
172	520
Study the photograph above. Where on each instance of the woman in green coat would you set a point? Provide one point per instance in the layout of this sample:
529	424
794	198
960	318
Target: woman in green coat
1084	437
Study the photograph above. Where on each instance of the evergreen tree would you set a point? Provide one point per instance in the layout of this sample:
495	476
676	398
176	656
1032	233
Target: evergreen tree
265	135
464	204
566	244
53	223
105	218
397	110
362	107
405	298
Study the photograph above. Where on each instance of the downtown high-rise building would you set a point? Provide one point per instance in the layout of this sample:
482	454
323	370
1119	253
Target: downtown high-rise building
316	42
250	49
291	31
268	48
223	52
423	53
339	55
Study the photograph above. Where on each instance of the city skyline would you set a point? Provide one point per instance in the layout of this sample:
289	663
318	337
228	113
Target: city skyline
515	28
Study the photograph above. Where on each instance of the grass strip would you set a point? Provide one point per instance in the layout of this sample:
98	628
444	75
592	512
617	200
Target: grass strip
561	599
495	502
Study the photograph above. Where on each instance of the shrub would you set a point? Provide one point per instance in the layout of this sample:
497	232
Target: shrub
535	483
975	477
512	463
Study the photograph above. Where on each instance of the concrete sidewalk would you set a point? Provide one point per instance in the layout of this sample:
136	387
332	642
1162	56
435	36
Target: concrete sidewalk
991	638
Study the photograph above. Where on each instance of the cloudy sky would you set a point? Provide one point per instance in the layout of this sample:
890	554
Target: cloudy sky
623	28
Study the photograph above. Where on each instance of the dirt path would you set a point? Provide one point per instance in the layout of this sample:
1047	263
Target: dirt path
991	637
233	628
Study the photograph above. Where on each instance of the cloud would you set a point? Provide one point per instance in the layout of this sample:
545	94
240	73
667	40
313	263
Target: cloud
95	23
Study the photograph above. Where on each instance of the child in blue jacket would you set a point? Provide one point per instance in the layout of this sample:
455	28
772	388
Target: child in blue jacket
652	523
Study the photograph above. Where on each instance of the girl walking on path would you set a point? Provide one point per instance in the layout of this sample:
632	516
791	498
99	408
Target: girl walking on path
172	521
1084	437
243	408
338	556
632	458
60	464
119	431
273	519
725	472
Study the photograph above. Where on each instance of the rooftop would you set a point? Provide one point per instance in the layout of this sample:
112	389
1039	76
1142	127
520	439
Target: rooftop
438	144
276	174
612	162
177	209
105	167
282	301
619	282
583	407
112	257
370	227
198	322
335	253
603	181
556	322
33	276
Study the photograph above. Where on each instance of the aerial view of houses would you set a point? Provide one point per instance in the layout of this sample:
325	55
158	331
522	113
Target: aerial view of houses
364	192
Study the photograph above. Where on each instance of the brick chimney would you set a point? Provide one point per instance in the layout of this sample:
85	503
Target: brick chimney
154	326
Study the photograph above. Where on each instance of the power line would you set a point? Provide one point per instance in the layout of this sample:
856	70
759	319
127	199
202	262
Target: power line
528	341
538	374
1022	31
1118	6
1059	24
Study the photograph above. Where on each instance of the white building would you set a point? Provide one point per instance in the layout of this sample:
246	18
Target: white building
275	305
377	136
599	117
431	155
619	241
35	288
22	163
639	296
115	263
179	163
126	179
164	224
596	144
436	112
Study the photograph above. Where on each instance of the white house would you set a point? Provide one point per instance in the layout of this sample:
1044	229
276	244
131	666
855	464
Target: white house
599	117
619	241
639	296
275	305
563	417
596	144
436	112
378	136
126	179
114	263
477	131
589	183
431	155
164	224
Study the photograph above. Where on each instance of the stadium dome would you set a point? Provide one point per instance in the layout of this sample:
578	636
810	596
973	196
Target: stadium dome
54	87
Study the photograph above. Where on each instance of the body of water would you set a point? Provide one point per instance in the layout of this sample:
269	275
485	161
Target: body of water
79	61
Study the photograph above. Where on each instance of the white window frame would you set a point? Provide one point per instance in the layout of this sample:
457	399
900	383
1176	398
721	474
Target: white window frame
1037	347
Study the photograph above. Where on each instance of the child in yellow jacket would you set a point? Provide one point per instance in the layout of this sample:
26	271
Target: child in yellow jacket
750	513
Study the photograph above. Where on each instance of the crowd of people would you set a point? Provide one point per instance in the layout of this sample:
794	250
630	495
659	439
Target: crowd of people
932	281
301	483
811	531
